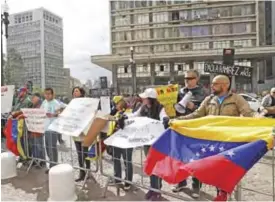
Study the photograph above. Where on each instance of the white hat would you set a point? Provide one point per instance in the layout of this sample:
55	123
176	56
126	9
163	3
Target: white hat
272	90
149	93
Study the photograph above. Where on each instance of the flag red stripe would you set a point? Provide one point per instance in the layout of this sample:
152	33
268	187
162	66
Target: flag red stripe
212	170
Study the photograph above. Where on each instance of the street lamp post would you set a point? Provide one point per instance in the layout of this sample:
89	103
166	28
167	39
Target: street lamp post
4	21
133	70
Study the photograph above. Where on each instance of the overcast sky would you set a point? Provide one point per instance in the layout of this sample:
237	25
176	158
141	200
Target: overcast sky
86	31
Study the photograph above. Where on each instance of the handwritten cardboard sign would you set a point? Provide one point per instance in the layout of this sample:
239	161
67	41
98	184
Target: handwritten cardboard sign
35	119
76	117
167	96
138	131
6	98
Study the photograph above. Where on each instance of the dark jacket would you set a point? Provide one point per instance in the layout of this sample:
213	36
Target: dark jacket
198	96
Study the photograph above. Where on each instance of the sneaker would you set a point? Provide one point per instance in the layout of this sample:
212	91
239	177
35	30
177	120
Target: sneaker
222	196
149	194
195	193
155	197
179	187
127	187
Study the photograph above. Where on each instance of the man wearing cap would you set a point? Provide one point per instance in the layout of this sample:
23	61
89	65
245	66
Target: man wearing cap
190	99
23	101
268	103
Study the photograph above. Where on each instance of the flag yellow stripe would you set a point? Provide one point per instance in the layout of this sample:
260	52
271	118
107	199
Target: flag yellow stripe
20	128
227	129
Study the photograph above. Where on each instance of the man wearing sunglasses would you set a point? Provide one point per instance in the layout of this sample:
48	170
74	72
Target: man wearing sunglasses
268	103
189	100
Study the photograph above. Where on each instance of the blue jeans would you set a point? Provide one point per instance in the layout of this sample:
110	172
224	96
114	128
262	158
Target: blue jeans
155	182
37	147
51	147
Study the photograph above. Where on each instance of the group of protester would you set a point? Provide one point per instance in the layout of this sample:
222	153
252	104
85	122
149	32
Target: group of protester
192	103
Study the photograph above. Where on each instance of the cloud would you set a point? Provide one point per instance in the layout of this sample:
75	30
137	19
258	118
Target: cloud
86	31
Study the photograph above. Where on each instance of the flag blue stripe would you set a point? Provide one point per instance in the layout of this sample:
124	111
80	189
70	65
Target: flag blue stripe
187	149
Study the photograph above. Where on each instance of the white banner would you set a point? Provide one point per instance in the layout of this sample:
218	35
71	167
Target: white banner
35	119
138	131
105	104
76	117
6	98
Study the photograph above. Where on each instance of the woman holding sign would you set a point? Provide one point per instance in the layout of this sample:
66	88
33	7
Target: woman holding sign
82	152
117	153
151	108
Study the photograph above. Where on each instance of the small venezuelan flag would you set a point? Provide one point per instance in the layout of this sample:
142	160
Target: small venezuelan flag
216	150
14	137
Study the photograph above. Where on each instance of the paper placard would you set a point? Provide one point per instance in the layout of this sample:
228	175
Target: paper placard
138	131
7	93
35	119
76	117
105	104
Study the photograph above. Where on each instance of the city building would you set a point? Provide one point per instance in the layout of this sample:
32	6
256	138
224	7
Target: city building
74	82
35	45
169	37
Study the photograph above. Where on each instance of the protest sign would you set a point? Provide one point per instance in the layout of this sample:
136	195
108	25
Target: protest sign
35	119
6	98
105	104
76	117
167	96
138	131
97	126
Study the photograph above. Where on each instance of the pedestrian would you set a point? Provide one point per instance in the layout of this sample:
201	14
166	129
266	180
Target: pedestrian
82	152
269	102
189	99
117	153
37	139
51	106
222	103
151	108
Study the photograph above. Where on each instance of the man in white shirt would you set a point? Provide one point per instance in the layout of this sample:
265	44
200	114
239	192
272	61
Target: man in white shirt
51	106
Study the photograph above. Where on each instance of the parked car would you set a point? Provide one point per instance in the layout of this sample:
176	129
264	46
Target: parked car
254	103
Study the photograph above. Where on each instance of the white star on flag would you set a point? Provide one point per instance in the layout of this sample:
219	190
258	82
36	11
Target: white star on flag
230	153
212	148
191	160
221	149
197	154
203	150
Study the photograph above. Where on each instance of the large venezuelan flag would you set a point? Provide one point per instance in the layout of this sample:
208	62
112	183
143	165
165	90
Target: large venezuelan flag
14	136
216	150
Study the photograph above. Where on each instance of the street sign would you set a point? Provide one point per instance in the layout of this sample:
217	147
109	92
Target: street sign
229	70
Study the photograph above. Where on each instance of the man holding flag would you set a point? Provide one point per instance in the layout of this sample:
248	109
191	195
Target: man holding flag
192	152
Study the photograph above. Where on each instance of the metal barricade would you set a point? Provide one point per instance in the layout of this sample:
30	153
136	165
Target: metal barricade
206	192
44	149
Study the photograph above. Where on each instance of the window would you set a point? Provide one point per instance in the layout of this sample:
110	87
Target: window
23	19
180	67
237	10
125	69
161	68
241	28
175	15
200	31
220	29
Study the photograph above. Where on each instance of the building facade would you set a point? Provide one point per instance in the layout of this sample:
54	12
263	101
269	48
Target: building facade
170	37
36	38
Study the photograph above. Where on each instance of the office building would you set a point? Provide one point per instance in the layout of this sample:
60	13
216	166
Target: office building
35	45
170	37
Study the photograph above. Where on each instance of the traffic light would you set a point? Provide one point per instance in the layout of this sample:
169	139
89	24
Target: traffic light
228	56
